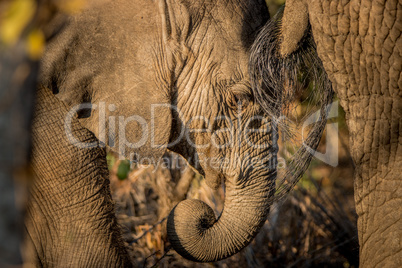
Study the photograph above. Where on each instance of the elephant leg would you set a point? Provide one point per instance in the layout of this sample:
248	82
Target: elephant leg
70	218
378	204
377	152
358	43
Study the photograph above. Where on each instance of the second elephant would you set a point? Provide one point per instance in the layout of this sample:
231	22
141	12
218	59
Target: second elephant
359	44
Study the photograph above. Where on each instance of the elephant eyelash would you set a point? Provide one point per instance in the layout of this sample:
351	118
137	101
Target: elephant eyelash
239	101
243	98
242	93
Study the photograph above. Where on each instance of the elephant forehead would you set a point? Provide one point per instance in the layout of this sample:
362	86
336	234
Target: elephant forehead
222	29
237	18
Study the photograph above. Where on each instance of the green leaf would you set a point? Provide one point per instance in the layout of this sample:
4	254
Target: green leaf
123	170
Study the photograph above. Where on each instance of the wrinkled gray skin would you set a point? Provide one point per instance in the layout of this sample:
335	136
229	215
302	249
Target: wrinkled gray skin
126	56
359	43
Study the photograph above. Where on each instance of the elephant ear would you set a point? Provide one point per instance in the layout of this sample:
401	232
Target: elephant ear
112	72
294	26
276	77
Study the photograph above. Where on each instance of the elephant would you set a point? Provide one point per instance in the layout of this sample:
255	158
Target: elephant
139	78
359	44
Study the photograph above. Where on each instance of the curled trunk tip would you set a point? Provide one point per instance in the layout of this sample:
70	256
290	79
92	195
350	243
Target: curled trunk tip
196	234
186	224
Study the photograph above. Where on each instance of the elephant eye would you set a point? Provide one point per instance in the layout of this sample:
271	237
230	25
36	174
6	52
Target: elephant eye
242	99
240	102
242	96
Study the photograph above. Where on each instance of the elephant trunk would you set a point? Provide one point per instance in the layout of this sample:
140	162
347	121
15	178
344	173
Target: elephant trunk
194	232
